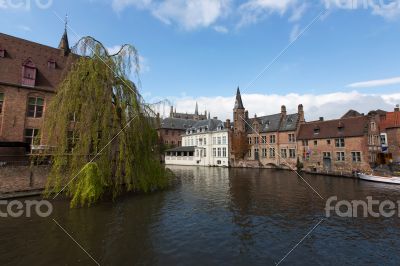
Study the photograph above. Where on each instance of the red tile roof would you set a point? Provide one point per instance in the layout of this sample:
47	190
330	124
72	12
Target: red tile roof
392	120
19	50
345	127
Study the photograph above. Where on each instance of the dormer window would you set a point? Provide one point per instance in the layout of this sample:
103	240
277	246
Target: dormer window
341	127
2	53
29	73
51	64
316	130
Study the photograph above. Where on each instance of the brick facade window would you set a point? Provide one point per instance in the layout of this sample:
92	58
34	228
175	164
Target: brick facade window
305	143
249	140
340	156
356	156
264	139
339	143
283	153
271	152
292	138
292	153
29	73
326	154
51	64
30	135
272	139
35	107
264	153
1	102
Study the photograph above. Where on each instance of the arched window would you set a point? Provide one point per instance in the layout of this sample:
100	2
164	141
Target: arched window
29	73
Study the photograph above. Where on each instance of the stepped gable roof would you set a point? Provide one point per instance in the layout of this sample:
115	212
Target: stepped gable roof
338	128
177	123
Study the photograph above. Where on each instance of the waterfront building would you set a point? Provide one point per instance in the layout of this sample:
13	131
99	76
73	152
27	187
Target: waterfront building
341	145
206	143
172	128
270	140
390	134
29	75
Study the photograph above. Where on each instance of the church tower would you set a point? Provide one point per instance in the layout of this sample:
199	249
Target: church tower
239	114
64	44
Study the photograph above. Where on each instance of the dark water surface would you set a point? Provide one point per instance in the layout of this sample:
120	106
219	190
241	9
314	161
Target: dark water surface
214	217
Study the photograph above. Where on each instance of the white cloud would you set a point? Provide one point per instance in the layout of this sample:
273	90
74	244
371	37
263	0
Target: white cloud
188	14
375	83
298	12
3	4
389	10
220	29
330	105
255	10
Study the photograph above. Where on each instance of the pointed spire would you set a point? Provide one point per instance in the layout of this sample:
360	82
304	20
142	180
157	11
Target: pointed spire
196	111
64	44
238	102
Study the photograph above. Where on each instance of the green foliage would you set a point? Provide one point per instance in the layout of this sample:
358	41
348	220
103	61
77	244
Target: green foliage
103	132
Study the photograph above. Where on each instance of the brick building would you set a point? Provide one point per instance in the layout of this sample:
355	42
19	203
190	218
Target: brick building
390	132
271	139
341	145
29	75
172	128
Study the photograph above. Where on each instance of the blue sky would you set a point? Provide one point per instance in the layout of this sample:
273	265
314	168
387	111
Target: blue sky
201	50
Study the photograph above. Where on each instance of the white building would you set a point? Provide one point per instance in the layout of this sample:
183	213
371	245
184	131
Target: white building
205	144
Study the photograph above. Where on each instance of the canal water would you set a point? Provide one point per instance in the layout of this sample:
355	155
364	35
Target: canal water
214	216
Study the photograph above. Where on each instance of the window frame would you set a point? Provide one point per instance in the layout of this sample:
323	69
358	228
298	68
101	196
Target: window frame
34	113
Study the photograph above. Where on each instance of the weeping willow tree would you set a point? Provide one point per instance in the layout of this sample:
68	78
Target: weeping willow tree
103	132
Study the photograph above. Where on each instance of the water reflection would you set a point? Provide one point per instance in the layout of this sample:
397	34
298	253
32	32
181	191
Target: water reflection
215	216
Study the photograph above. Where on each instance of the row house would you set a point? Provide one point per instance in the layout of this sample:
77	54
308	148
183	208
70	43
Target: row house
390	134
206	143
341	146
271	139
29	75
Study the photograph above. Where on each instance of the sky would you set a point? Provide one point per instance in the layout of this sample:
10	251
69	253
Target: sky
329	55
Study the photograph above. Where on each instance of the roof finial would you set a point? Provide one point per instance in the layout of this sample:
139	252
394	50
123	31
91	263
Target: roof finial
66	22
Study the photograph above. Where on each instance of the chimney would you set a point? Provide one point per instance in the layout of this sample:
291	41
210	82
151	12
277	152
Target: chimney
246	114
283	111
300	111
321	118
171	112
397	108
228	124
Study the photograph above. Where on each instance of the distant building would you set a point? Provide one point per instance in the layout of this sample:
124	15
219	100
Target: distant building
341	145
29	75
390	134
195	116
171	130
271	139
206	143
